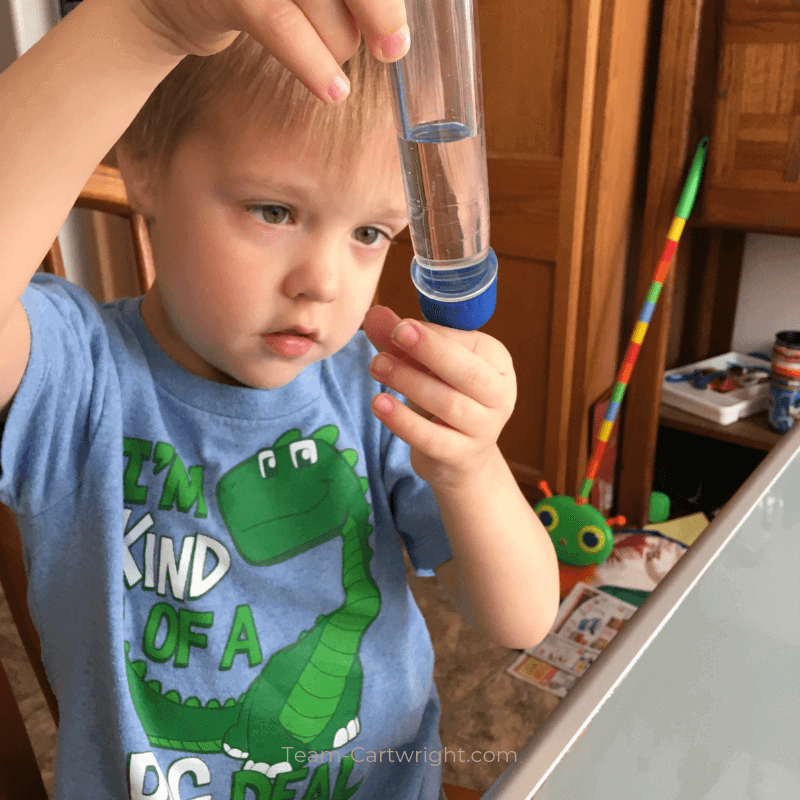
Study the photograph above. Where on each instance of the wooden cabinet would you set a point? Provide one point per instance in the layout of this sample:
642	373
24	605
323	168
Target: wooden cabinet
754	164
731	69
563	85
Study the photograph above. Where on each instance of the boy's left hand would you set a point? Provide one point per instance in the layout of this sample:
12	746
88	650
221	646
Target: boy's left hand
460	386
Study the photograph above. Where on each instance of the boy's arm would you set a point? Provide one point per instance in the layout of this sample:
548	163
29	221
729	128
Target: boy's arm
71	96
461	389
503	577
67	100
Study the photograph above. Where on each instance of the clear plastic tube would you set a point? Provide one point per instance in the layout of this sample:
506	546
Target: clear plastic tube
438	106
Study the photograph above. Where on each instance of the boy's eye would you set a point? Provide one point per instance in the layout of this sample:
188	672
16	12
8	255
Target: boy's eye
369	235
273	215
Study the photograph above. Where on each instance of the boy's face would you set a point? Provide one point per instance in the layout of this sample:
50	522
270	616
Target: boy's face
267	261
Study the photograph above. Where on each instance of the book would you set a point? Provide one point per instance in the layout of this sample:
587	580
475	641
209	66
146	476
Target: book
587	621
684	529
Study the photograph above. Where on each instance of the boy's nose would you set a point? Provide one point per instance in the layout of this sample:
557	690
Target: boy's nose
315	274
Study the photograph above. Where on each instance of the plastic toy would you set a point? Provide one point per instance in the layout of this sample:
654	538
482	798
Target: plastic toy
659	507
581	536
438	110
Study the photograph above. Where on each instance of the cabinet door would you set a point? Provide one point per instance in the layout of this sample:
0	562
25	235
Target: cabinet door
754	161
524	86
562	84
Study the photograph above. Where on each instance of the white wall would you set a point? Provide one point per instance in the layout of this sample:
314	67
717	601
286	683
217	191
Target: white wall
769	294
30	20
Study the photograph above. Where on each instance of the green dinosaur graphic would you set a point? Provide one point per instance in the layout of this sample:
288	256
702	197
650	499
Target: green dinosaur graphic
280	502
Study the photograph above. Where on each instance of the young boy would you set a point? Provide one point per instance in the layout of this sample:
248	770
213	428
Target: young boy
210	480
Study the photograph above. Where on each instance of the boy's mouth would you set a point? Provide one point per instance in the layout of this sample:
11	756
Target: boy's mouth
291	342
297	330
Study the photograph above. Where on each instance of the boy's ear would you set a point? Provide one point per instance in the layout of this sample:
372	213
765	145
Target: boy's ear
139	176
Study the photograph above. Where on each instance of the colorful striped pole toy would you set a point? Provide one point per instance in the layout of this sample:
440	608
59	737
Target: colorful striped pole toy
580	534
673	237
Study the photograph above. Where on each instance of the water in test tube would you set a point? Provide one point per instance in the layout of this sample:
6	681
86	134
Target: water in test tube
438	108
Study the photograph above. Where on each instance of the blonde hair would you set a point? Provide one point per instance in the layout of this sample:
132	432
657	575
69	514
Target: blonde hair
247	80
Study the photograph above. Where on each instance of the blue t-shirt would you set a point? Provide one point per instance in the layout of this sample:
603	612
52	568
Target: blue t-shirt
216	573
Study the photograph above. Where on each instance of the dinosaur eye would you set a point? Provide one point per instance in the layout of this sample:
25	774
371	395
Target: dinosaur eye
266	461
549	517
591	539
303	453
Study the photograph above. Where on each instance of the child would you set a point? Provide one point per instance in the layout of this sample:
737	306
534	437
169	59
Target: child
208	480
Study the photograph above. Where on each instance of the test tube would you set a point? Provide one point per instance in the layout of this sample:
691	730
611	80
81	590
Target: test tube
438	108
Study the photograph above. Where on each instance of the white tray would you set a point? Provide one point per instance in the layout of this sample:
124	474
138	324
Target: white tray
716	406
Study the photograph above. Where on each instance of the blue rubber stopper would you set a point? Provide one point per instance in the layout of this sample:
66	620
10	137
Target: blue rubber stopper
461	298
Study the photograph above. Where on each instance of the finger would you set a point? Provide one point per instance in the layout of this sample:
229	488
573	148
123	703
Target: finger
431	438
384	27
335	25
378	324
283	28
427	392
466	360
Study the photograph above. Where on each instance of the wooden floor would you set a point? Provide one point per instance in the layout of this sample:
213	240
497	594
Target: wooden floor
31	702
484	710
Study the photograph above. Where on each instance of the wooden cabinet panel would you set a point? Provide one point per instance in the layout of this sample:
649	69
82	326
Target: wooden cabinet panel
524	60
524	199
761	20
562	88
754	160
524	48
524	324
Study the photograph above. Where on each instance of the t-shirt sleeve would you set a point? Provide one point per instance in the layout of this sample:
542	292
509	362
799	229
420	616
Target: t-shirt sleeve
410	500
414	508
55	413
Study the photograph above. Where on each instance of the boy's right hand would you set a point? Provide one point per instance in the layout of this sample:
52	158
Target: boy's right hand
311	38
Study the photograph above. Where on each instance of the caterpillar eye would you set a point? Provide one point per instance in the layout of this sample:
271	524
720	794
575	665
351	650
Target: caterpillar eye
591	539
549	517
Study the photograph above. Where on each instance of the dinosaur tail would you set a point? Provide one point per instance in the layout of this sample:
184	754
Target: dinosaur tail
312	702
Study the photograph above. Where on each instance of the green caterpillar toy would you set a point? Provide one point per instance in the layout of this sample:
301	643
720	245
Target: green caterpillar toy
580	533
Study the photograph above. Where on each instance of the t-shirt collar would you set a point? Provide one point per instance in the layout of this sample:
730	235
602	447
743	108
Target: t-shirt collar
221	398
